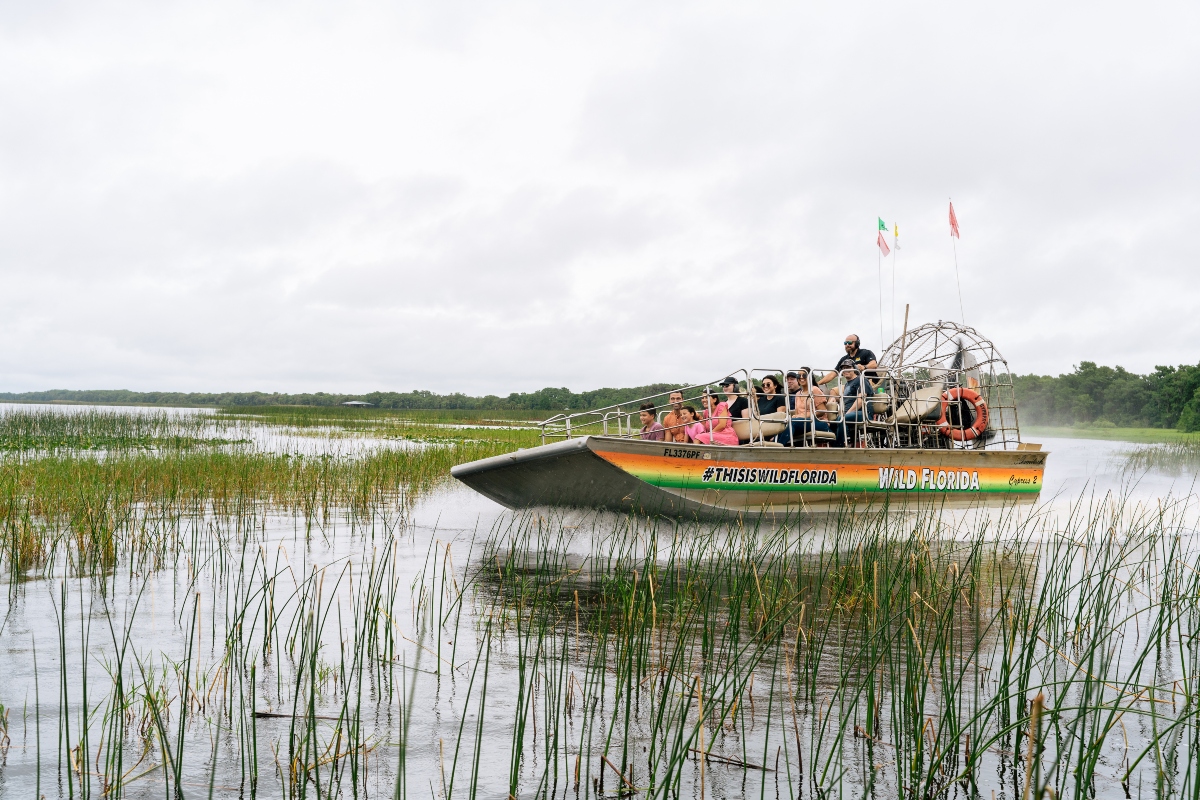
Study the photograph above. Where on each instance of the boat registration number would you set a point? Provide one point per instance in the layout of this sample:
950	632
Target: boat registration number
677	453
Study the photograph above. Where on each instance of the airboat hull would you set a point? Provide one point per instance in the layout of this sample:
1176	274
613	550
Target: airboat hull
620	474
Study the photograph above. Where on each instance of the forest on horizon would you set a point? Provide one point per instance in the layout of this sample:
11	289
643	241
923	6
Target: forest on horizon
1168	397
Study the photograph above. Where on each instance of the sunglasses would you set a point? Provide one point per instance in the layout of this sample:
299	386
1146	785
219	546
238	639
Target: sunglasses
848	343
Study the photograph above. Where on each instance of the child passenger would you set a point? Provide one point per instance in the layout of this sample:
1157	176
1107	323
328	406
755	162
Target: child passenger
690	423
717	424
651	428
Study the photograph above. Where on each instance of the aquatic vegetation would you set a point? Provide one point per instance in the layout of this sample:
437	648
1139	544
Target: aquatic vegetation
889	655
370	419
1175	458
51	430
137	502
871	652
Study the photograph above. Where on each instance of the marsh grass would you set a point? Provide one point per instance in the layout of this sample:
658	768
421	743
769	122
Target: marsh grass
1175	458
1134	435
354	418
891	654
134	504
50	430
896	654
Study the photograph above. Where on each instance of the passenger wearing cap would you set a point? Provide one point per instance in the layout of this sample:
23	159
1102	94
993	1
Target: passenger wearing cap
835	391
854	396
739	407
804	402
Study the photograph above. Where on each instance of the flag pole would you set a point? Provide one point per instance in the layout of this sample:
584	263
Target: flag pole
957	279
896	242
959	282
879	280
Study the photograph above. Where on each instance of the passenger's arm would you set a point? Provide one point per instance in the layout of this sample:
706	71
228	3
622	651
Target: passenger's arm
858	396
877	378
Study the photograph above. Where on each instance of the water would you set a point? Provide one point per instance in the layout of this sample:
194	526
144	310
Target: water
183	627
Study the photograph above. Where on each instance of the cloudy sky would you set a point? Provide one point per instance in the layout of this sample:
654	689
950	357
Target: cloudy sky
496	197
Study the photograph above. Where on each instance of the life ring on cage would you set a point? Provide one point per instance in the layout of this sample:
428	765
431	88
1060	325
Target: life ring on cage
963	433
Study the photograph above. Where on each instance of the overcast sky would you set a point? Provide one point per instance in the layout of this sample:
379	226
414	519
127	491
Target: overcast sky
497	197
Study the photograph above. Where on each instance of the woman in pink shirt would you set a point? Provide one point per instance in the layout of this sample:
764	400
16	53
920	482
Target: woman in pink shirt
718	425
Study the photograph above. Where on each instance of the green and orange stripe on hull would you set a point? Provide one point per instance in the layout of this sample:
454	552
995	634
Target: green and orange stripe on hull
668	472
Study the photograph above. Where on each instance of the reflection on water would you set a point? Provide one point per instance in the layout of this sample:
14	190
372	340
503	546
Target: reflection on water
261	653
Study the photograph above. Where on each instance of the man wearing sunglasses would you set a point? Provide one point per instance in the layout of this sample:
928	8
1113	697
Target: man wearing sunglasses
864	359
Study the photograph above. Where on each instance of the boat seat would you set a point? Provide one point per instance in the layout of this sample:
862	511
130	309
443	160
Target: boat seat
881	404
817	438
766	426
922	405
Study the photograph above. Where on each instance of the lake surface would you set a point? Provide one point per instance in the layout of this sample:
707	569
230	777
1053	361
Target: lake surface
265	653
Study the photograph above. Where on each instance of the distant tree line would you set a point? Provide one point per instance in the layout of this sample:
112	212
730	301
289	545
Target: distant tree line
1169	397
549	399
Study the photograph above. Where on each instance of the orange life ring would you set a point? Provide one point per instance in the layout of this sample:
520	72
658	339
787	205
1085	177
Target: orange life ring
961	434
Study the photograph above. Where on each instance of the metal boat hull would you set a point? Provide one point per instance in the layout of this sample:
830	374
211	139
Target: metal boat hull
620	474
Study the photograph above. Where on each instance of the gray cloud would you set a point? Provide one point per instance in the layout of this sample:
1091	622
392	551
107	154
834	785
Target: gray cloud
499	198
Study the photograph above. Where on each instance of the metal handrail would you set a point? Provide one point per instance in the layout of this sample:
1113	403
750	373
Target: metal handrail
875	429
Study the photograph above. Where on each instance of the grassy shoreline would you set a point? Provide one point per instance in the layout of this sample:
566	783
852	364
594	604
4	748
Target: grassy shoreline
1135	435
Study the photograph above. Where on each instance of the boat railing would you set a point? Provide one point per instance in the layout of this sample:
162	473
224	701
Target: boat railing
907	408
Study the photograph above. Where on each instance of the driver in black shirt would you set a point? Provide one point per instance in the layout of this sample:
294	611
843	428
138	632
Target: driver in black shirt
863	359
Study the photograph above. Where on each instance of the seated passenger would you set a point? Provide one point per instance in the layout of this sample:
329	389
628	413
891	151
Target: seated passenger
770	398
735	401
835	391
651	428
805	401
672	422
692	427
854	397
718	426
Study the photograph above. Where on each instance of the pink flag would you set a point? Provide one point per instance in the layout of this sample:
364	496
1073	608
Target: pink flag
953	223
883	248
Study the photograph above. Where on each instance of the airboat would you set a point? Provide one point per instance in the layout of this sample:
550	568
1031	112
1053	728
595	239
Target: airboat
940	425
